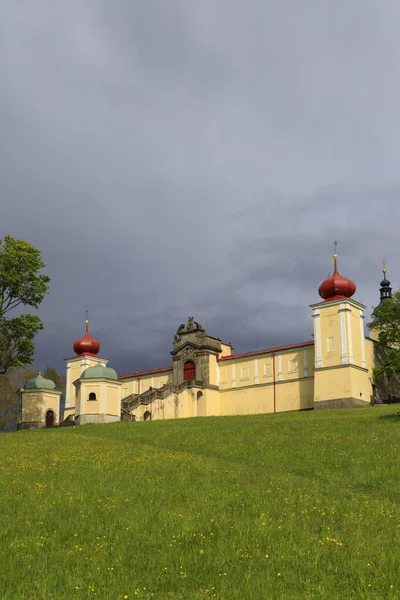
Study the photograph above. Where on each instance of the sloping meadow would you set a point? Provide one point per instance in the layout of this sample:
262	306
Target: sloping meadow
296	505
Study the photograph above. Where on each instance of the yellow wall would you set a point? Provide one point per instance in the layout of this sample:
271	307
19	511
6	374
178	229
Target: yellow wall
108	397
261	368
156	380
226	350
35	404
74	369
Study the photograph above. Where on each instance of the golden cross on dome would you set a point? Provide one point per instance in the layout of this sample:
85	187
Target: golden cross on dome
383	265
335	244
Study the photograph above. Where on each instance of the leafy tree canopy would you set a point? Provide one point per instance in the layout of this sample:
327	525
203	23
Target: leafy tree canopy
386	320
21	283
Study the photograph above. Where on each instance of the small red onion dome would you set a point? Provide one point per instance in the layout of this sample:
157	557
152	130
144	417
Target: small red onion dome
336	287
87	344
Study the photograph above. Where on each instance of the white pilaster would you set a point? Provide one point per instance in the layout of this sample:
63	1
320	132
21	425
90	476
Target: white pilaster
350	337
363	361
317	338
305	365
217	373
280	367
343	341
68	387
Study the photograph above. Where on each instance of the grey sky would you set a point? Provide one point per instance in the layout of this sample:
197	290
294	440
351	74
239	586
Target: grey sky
185	156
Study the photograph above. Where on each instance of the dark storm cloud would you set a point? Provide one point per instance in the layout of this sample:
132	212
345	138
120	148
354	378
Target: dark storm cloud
200	157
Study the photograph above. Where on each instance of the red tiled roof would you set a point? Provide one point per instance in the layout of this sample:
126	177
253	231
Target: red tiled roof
267	351
143	373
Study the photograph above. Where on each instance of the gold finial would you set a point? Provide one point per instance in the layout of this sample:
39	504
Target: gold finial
335	255
87	320
383	265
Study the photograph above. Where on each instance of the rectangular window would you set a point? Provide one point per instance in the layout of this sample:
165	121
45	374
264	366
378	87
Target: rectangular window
268	369
330	343
244	373
293	365
223	376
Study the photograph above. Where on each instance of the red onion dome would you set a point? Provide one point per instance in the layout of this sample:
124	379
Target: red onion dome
336	287
87	344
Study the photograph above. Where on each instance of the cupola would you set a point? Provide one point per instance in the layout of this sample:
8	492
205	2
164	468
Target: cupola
386	290
86	345
39	383
336	287
98	372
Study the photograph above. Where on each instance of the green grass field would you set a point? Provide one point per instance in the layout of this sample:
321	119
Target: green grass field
288	506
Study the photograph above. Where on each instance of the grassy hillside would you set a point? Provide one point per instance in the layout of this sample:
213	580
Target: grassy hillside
299	505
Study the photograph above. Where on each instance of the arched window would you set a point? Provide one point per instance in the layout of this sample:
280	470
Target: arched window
92	396
189	371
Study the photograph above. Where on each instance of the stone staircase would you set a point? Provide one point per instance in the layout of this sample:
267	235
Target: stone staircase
132	401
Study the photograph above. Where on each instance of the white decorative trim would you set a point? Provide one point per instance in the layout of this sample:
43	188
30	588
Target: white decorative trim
68	387
82	365
350	337
363	361
255	370
305	365
217	373
280	377
244	373
343	343
265	374
330	347
317	338
152	382
233	375
222	376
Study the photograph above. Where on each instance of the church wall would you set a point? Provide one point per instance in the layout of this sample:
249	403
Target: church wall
75	367
285	366
355	329
35	404
105	408
213	370
113	400
342	386
141	383
226	350
86	406
266	397
330	335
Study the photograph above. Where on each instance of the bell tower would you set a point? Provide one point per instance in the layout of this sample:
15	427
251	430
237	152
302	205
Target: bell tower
341	376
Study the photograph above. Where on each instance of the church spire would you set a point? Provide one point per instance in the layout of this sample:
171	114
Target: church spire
385	290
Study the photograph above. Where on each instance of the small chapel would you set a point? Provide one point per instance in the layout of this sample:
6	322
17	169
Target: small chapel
205	378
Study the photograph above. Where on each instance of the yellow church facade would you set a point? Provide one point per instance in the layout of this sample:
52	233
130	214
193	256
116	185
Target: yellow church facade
333	370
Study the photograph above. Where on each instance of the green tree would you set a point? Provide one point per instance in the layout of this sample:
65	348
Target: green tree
10	385
21	283
386	320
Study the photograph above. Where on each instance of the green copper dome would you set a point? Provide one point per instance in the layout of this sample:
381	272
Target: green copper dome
40	383
98	371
